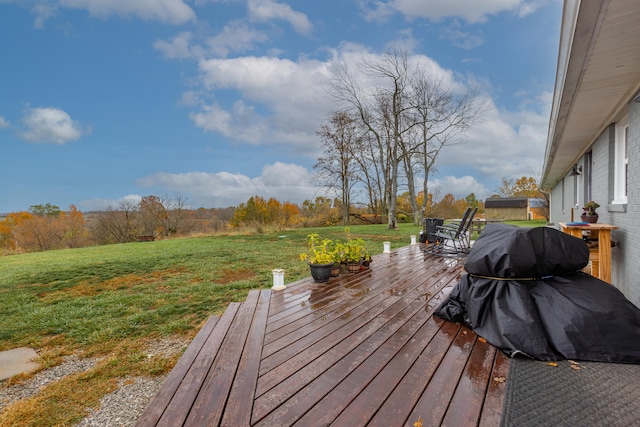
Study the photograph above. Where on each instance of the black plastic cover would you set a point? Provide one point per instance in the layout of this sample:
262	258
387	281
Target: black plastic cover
525	294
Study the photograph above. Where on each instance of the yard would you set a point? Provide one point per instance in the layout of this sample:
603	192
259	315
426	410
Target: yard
112	302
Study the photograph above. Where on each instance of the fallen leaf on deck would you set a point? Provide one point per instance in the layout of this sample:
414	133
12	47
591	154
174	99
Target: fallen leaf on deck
573	362
554	364
481	339
499	380
576	367
418	423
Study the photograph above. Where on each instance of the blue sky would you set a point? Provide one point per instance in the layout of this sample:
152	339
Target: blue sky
219	100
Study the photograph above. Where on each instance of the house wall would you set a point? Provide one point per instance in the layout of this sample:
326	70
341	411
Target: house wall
625	273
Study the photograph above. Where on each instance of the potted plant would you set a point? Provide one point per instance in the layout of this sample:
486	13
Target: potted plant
339	258
590	215
366	261
355	252
319	256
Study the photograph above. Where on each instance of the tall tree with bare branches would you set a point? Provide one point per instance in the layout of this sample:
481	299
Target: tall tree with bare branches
409	115
341	139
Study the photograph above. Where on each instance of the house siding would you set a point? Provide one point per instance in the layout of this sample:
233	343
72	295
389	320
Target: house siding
627	267
625	274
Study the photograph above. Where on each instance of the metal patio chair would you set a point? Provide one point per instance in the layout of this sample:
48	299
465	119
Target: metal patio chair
454	240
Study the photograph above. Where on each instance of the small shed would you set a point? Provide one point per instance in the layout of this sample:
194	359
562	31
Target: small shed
508	208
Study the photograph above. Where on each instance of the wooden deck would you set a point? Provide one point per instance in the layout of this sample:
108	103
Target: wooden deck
362	349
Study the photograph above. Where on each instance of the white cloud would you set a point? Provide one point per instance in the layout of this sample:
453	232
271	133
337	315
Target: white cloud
169	11
4	123
43	11
267	10
505	144
103	204
237	36
461	38
178	48
280	100
460	187
50	125
285	182
241	123
435	10
234	37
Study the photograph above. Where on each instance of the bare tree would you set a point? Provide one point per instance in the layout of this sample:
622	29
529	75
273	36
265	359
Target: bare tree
442	116
410	117
341	138
380	111
116	225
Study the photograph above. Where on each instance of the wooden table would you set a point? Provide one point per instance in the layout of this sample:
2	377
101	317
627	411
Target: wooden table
602	254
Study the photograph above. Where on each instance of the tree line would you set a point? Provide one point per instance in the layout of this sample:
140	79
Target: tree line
46	227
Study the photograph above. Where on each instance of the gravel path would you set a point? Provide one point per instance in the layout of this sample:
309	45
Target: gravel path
121	408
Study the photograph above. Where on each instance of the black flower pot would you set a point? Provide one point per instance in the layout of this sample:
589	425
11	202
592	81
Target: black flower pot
321	272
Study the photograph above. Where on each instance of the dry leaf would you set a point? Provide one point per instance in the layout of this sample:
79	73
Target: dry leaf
418	423
499	380
481	339
573	362
576	367
554	364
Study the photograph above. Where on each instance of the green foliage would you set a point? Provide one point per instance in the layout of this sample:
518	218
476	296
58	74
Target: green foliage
319	251
590	206
42	210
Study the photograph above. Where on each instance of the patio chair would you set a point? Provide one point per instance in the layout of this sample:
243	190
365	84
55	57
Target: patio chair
452	240
454	225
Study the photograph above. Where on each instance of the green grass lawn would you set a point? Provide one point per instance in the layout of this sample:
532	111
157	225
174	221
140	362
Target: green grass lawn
110	301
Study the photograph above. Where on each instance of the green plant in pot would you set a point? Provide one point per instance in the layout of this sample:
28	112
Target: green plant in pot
366	261
339	257
319	256
590	215
355	252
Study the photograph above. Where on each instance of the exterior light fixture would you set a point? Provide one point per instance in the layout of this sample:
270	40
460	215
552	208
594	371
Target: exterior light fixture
576	171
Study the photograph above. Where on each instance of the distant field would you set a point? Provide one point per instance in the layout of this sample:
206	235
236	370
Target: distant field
111	301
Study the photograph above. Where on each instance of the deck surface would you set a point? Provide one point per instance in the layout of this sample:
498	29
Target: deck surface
362	349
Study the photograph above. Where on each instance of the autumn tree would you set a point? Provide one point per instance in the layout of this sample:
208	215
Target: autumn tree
341	140
8	229
43	231
471	200
318	212
449	207
258	213
76	234
525	186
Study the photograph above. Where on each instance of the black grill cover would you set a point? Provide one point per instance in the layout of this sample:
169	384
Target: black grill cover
524	294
